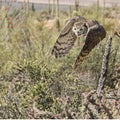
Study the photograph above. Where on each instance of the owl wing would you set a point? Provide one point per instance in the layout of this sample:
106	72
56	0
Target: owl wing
66	38
94	36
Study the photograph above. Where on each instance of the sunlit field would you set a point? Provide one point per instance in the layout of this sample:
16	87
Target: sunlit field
34	84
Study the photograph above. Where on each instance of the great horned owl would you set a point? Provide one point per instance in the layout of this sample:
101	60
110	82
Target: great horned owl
76	27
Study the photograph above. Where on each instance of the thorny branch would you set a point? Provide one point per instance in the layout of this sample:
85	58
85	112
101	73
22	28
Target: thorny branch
104	66
106	55
99	108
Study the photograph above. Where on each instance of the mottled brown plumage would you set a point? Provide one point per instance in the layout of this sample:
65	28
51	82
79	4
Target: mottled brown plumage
67	38
76	27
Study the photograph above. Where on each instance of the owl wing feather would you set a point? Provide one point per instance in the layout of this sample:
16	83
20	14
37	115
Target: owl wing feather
94	35
67	38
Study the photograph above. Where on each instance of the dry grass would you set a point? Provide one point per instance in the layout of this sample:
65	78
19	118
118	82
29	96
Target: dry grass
28	70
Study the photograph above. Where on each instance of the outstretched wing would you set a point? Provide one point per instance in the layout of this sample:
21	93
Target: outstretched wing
66	38
93	37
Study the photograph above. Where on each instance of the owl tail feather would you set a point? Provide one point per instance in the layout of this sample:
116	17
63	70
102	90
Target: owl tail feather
80	58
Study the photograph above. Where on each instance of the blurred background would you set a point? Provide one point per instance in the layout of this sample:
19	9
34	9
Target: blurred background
40	4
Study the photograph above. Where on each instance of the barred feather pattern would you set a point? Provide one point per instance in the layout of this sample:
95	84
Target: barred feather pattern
94	33
93	37
63	46
67	38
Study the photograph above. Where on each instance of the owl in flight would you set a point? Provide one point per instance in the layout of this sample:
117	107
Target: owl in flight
78	26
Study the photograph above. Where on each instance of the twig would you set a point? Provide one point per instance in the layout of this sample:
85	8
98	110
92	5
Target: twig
117	33
37	113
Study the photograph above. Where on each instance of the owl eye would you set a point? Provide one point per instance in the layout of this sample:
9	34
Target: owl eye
74	28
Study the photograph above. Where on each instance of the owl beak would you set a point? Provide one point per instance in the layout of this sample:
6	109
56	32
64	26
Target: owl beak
79	33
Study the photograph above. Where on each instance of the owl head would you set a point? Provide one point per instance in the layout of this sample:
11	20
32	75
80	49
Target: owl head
80	29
